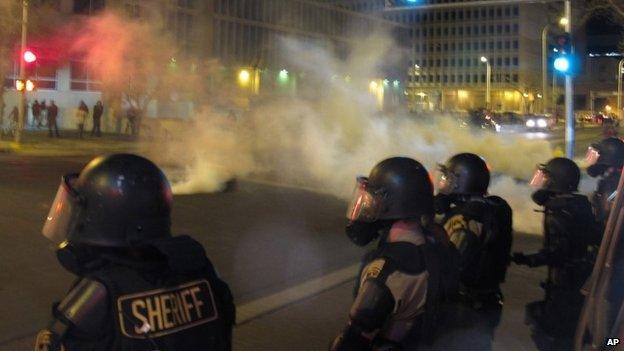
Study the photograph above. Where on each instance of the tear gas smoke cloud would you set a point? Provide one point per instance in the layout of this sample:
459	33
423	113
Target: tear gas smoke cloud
325	139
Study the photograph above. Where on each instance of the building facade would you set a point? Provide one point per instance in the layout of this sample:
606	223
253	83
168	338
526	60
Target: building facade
244	37
447	72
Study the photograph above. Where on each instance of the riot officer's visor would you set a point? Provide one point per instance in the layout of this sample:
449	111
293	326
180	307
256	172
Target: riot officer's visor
65	204
592	156
539	177
445	179
365	203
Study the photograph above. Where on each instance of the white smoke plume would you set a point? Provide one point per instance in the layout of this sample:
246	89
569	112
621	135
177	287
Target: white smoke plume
334	133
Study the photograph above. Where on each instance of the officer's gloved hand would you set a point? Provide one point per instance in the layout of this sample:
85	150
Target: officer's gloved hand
520	259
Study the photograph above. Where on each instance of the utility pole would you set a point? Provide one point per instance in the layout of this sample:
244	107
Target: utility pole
21	107
544	68
569	92
619	96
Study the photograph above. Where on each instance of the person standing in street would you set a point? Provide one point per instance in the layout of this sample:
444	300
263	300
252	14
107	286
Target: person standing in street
36	112
98	110
400	283
52	116
137	286
480	227
605	161
570	230
81	117
43	112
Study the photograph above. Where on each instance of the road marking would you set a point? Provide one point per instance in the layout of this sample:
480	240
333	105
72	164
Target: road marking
268	304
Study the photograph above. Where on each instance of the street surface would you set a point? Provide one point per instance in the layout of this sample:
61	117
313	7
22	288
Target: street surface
264	240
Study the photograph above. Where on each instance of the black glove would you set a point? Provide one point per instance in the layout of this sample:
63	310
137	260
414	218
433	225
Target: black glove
520	259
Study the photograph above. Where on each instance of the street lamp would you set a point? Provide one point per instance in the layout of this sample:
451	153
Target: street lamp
488	74
619	96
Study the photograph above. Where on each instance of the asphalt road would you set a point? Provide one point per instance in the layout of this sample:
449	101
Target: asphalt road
263	239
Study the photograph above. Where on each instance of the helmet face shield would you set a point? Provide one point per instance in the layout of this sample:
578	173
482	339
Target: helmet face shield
445	180
592	156
539	179
365	203
63	208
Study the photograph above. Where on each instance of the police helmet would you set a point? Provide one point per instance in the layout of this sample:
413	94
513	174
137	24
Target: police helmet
464	174
397	188
121	200
560	175
606	154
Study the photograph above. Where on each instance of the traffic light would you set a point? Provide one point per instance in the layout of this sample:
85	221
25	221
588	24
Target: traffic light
20	85
564	61
29	56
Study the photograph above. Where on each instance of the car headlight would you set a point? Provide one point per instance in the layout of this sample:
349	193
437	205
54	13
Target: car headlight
542	123
530	123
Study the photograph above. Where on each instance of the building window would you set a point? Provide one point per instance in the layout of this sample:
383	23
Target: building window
515	61
81	77
515	27
43	73
87	7
516	10
507	28
499	61
515	78
507	61
515	44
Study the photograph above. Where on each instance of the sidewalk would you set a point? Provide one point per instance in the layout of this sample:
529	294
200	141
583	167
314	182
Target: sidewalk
38	143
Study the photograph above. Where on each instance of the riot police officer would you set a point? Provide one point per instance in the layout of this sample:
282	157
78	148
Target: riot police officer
138	287
569	230
605	161
400	283
480	227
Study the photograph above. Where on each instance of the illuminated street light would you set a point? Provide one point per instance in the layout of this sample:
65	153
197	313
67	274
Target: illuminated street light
488	75
539	96
526	95
608	108
396	83
283	75
563	21
244	77
386	82
373	85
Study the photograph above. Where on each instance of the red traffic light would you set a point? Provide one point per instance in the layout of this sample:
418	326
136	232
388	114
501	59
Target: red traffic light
29	56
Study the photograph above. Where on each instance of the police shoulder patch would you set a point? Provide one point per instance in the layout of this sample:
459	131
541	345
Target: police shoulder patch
373	269
166	311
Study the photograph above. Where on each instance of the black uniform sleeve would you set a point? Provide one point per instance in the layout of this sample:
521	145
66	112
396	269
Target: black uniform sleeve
370	310
82	312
